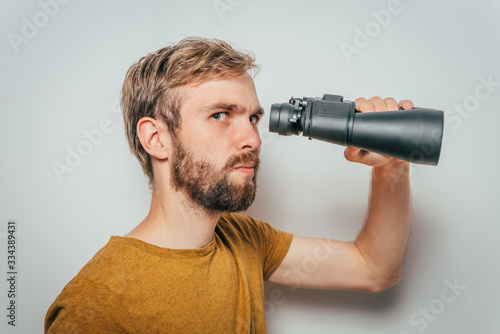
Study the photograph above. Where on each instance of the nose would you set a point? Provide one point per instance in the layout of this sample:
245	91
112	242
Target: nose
248	138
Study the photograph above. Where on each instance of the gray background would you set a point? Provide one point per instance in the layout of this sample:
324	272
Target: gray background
65	78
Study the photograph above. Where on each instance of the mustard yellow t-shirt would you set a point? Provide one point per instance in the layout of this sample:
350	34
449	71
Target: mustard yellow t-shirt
131	286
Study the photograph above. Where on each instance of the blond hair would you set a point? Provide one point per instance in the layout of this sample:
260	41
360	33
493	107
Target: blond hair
151	86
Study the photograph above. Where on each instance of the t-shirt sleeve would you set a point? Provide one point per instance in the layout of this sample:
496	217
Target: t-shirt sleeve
271	243
87	307
275	248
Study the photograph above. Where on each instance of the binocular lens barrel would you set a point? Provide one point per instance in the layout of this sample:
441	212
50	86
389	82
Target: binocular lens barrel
411	135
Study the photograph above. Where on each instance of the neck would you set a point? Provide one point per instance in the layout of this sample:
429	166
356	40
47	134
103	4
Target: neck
175	222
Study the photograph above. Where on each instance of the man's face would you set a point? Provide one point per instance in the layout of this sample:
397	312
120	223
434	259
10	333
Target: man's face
215	158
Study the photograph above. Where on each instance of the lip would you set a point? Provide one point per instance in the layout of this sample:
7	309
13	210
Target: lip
248	168
247	165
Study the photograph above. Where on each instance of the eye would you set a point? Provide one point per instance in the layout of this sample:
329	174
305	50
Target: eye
220	116
254	119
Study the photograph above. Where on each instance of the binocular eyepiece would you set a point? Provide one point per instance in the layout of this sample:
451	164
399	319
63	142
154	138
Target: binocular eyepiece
411	135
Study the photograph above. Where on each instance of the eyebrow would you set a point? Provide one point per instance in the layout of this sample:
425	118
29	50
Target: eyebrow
228	106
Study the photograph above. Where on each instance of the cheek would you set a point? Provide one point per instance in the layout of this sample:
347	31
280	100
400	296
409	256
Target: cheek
210	149
210	142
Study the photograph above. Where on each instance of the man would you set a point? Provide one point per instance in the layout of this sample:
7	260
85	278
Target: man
193	265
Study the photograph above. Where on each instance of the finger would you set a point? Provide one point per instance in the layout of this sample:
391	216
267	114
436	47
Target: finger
391	103
365	157
406	104
353	154
363	105
378	103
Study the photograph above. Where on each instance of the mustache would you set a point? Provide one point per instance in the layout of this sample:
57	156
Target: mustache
248	157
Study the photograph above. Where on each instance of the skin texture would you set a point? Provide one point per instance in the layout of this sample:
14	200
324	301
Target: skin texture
219	124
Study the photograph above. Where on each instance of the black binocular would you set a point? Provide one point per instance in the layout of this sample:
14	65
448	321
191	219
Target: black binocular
411	135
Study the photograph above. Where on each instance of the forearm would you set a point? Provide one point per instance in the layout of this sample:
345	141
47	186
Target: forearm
382	242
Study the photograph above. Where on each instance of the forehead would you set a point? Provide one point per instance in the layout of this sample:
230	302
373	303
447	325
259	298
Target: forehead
238	91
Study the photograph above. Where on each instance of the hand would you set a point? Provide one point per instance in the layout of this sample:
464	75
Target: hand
375	104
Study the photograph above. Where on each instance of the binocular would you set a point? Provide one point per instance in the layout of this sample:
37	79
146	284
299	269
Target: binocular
412	135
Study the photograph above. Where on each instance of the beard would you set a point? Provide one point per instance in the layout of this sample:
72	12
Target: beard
209	187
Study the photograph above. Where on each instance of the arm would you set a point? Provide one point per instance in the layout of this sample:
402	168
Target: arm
374	260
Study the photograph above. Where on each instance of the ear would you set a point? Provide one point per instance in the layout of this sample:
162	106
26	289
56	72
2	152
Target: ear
154	138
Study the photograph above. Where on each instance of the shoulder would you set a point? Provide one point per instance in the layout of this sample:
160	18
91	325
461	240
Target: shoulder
104	265
246	226
238	220
250	229
85	306
270	244
93	292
